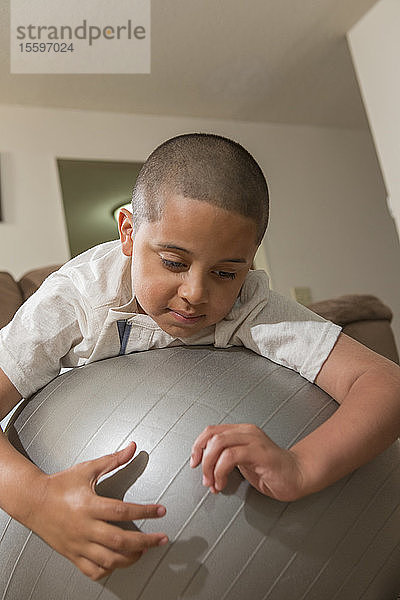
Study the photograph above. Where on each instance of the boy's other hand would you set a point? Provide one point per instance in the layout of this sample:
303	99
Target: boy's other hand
270	469
75	521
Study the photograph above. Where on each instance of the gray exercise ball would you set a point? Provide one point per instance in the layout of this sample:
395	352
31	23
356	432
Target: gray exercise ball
342	543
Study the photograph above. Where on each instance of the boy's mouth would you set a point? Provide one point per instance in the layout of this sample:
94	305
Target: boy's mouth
187	318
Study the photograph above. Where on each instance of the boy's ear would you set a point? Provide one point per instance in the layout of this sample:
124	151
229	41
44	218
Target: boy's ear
125	228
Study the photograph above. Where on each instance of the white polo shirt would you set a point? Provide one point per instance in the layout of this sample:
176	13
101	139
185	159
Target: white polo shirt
86	311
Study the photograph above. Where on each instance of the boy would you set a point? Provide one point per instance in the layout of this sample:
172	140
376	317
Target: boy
200	210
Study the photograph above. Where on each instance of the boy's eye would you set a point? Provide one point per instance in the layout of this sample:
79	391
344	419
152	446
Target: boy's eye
225	274
175	265
171	264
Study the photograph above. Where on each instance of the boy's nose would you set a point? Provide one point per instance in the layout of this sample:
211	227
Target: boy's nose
193	289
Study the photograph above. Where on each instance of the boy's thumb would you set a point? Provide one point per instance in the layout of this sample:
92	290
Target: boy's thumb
109	462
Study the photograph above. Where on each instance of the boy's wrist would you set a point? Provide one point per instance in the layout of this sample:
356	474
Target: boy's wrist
22	484
318	464
308	480
29	509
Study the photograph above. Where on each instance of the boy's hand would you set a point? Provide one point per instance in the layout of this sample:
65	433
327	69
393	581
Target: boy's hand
270	469
74	520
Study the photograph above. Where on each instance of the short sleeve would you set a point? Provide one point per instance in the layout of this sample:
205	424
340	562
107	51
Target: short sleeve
34	345
289	334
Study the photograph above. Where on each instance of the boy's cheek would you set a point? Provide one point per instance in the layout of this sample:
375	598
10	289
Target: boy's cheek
153	294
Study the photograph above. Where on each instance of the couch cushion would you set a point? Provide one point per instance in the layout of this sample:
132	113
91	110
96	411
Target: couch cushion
352	307
10	298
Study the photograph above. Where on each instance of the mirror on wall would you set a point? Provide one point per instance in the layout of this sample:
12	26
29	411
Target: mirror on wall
91	191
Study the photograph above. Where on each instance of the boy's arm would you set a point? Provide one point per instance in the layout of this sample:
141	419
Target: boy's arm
64	509
366	385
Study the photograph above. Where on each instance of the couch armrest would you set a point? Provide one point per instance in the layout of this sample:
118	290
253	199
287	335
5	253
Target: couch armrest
10	298
30	282
364	318
376	335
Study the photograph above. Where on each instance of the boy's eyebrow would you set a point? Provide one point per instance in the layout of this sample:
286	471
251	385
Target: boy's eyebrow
174	247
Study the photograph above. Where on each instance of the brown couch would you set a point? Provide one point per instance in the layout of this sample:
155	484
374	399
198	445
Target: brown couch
363	317
13	293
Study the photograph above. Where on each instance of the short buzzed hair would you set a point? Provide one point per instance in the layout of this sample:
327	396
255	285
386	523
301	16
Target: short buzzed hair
206	167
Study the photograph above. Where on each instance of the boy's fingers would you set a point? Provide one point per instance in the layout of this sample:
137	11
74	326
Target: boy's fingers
108	509
201	442
126	542
104	464
223	442
108	559
100	560
91	569
226	462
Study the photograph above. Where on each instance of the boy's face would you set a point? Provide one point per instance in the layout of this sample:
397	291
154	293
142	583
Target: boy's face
188	267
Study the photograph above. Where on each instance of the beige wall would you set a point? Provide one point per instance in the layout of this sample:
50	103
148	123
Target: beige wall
375	46
330	227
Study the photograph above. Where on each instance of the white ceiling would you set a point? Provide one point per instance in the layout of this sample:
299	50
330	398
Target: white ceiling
283	61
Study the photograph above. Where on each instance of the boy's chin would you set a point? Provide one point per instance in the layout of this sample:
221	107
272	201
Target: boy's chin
181	329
